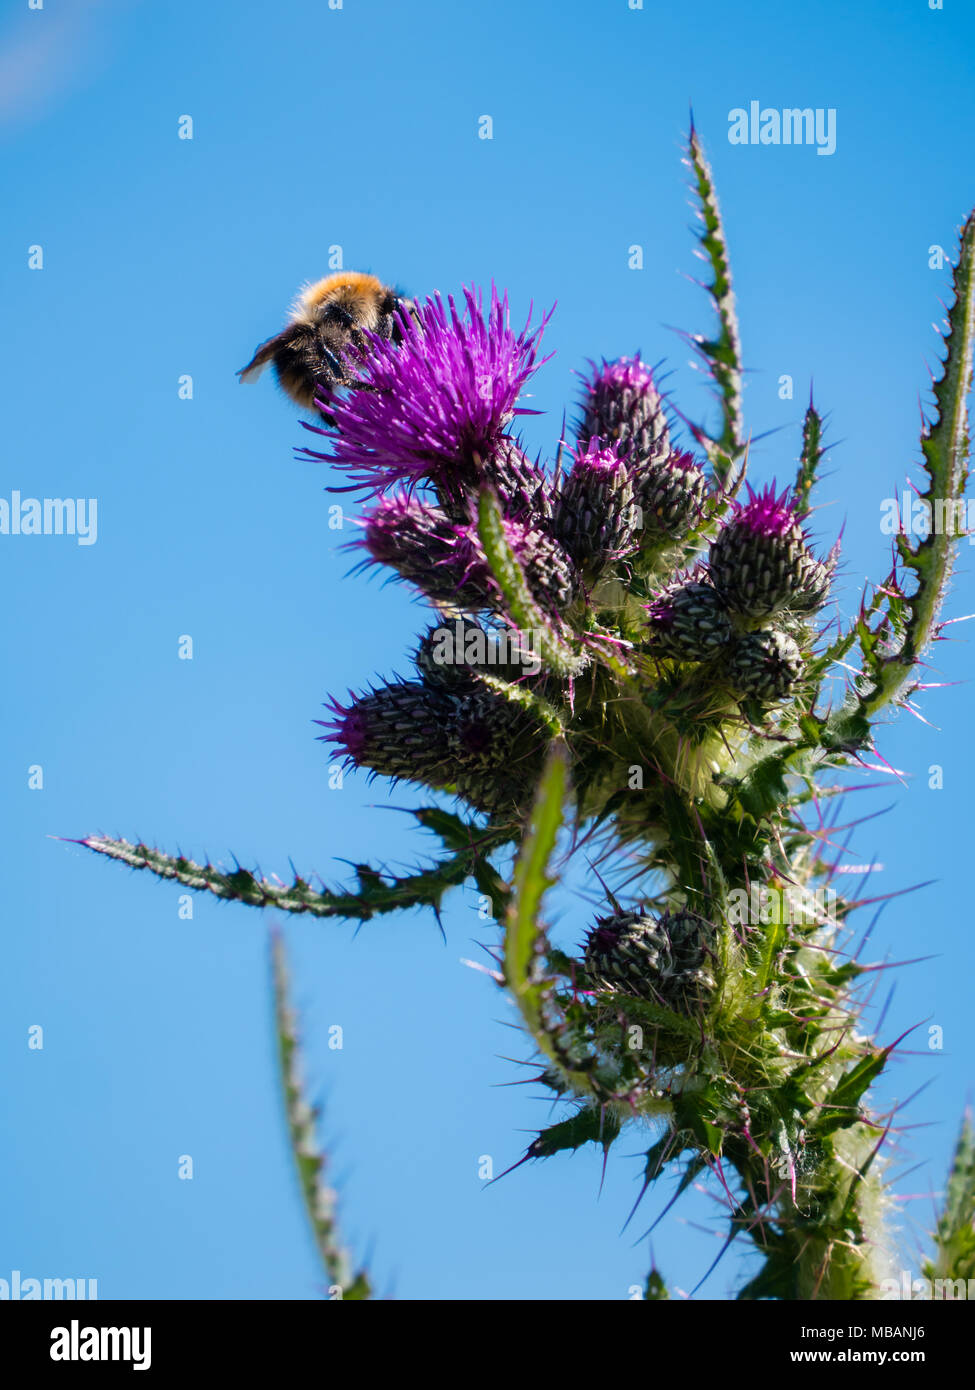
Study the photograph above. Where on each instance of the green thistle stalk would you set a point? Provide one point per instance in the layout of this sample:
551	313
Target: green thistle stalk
320	1200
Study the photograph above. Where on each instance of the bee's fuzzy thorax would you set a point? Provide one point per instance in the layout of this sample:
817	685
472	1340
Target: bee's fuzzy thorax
354	289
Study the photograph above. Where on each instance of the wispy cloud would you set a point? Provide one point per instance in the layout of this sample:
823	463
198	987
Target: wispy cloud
47	54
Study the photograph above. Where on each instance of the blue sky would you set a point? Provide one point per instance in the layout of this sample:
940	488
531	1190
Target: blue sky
164	257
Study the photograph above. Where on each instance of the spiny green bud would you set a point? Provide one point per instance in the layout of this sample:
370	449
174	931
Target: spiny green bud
670	492
454	653
490	748
765	665
665	960
760	562
594	517
814	588
497	747
621	405
688	621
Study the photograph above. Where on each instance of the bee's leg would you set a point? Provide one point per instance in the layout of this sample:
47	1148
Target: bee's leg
333	363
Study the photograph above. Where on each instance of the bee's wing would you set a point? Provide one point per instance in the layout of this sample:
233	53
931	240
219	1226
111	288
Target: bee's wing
261	358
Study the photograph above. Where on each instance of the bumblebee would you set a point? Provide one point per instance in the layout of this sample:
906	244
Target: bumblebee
327	317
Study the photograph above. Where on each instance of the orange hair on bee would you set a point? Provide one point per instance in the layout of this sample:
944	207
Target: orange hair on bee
353	289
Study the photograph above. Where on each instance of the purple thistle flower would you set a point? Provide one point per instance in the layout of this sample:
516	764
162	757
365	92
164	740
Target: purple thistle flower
437	404
765	513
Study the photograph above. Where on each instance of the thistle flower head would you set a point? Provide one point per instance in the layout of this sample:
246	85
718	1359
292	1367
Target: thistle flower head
416	540
662	959
623	374
622	405
446	561
395	731
760	562
765	665
594	518
455	653
438	400
549	571
670	489
488	748
688	619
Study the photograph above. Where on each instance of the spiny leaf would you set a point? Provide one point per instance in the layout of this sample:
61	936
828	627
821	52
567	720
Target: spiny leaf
841	1108
590	1125
377	893
811	456
458	834
310	1161
722	354
912	620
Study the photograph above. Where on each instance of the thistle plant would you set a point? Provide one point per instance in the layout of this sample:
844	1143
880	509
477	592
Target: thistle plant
631	669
